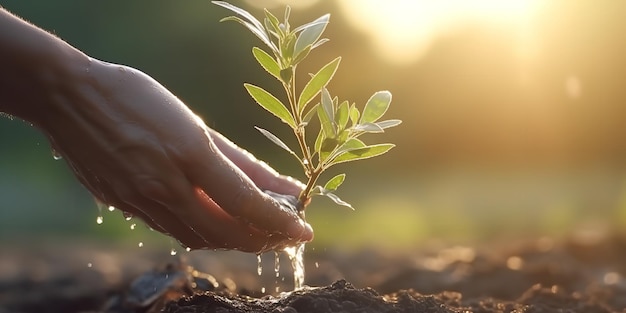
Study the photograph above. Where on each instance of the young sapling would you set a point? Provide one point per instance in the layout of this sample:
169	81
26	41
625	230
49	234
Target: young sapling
341	122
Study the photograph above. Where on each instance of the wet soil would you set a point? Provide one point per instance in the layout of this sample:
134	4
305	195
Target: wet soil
582	273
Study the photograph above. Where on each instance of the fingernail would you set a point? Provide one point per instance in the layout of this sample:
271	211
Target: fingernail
308	232
300	230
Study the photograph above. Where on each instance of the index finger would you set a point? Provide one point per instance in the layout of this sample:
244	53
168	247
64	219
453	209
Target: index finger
264	176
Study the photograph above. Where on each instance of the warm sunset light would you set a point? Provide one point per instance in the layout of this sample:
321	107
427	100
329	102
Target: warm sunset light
403	30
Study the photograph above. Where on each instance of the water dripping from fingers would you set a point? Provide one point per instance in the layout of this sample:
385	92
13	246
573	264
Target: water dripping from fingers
276	264
172	249
56	155
259	265
99	219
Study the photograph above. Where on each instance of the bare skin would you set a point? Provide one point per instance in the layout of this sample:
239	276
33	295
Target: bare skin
137	147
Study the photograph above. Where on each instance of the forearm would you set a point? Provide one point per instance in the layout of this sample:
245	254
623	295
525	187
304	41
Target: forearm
35	66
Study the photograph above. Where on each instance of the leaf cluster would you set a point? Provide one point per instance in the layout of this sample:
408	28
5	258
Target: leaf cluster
341	122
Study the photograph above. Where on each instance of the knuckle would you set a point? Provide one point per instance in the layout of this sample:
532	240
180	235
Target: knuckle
241	205
141	187
153	188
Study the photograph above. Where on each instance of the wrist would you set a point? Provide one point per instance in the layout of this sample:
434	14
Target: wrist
37	68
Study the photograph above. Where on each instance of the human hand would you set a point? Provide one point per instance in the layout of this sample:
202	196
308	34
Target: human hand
137	147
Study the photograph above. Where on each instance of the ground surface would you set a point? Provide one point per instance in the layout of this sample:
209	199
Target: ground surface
582	273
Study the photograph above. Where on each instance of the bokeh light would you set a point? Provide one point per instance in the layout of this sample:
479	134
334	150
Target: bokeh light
403	31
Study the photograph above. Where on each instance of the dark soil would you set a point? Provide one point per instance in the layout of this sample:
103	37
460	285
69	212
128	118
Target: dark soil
583	273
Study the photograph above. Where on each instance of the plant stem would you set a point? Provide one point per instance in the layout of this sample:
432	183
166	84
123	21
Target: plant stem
311	172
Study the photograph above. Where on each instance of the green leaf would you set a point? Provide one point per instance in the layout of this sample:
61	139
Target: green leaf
287	14
388	123
354	114
309	115
327	147
376	106
252	23
316	191
311	32
257	32
352	144
337	200
342	136
276	140
368	128
325	120
317	82
301	55
320	191
273	20
318	141
271	30
328	108
267	62
362	153
241	12
271	104
342	115
287	51
335	182
319	43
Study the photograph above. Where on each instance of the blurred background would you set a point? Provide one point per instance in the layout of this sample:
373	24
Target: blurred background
514	114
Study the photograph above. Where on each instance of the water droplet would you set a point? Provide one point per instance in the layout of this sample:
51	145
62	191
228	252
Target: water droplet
111	208
127	216
56	155
317	265
262	289
140	244
259	265
277	289
187	249
173	252
89	264
132	226
296	255
99	219
276	264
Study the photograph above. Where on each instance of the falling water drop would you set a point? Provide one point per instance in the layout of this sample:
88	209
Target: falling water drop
89	264
259	265
262	289
173	252
56	155
111	208
132	226
140	244
187	249
276	264
99	219
317	265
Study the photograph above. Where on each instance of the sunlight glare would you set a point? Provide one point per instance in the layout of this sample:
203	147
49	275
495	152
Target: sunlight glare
402	31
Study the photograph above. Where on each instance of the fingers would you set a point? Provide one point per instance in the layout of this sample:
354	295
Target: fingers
154	214
265	177
237	194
